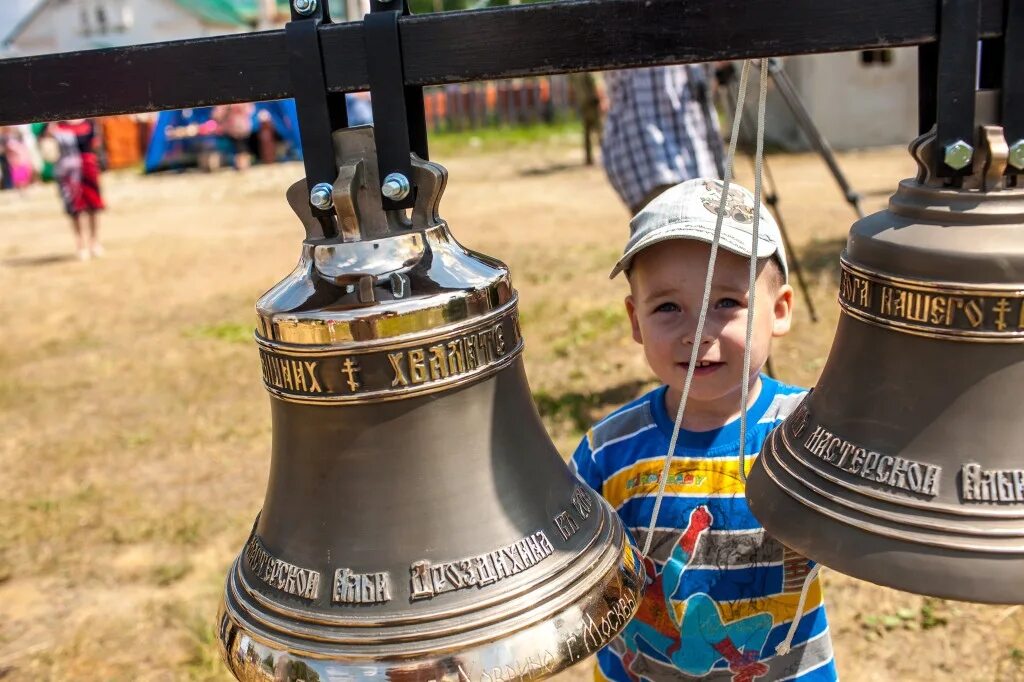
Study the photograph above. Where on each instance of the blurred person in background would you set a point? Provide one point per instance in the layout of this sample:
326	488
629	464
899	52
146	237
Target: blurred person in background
17	164
588	96
72	146
236	122
660	130
5	166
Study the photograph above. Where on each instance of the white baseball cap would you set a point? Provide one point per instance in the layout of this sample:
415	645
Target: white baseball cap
689	210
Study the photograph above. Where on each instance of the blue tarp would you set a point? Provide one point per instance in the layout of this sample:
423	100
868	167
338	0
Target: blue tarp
163	152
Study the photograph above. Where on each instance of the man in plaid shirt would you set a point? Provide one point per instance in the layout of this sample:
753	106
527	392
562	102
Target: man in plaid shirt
660	130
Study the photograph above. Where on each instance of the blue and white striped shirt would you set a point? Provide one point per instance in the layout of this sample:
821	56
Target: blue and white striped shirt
721	593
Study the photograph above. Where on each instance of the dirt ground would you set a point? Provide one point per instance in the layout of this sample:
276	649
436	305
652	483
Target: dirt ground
135	432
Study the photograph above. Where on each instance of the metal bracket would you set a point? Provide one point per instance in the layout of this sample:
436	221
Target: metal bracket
957	77
320	112
398	117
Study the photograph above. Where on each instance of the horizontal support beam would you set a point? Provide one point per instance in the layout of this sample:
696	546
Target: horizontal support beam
452	47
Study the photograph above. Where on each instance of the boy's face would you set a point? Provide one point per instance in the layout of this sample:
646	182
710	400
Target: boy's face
667	285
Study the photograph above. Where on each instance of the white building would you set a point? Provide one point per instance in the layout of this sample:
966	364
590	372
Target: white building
68	25
856	99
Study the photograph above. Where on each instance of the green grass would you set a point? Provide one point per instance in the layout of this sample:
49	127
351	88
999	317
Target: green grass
589	327
445	143
232	332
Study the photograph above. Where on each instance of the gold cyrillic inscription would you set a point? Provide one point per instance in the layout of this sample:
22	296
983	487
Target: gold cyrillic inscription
938	309
992	485
297	375
322	375
895	472
1001	309
350	369
448	359
965	311
396	366
855	289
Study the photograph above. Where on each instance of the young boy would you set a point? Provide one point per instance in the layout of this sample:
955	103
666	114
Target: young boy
721	595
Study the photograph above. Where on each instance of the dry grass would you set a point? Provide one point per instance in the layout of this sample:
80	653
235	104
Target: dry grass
134	432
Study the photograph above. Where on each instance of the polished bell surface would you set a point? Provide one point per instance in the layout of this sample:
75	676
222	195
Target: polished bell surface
905	465
418	522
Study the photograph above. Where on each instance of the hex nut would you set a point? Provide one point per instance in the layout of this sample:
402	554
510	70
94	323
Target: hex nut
396	187
304	7
958	154
322	196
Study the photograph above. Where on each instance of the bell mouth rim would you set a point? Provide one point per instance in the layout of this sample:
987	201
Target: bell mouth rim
412	619
895	562
573	628
525	615
940	510
915	535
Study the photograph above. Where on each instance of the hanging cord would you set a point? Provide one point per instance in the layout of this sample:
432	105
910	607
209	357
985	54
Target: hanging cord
698	334
758	165
784	646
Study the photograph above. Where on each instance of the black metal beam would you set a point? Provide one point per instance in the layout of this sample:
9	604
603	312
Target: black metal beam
451	47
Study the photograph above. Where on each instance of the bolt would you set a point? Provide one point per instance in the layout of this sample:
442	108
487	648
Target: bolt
322	196
396	187
304	7
958	154
1017	155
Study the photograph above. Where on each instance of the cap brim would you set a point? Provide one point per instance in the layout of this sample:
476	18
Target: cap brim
732	239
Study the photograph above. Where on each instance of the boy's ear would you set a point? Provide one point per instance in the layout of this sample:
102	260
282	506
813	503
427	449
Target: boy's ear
783	311
633	321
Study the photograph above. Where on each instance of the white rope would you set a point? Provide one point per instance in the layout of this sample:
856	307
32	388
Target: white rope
758	165
785	645
699	333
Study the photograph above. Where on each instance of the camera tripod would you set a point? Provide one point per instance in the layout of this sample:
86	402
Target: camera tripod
726	76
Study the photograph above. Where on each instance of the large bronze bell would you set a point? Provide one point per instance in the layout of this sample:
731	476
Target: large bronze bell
904	465
418	522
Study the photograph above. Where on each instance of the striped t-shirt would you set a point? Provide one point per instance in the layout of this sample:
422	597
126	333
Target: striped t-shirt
721	594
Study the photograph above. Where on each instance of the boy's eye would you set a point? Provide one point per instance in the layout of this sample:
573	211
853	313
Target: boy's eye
666	308
727	303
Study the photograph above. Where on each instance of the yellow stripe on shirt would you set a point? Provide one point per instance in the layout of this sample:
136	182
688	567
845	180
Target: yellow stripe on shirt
687	476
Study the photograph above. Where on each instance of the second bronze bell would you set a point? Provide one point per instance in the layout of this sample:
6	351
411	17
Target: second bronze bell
418	522
904	465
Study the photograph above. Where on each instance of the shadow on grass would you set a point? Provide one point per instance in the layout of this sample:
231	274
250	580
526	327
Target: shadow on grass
550	169
820	258
32	261
578	407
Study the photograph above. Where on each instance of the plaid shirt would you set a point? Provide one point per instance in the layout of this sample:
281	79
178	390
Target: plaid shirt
658	131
